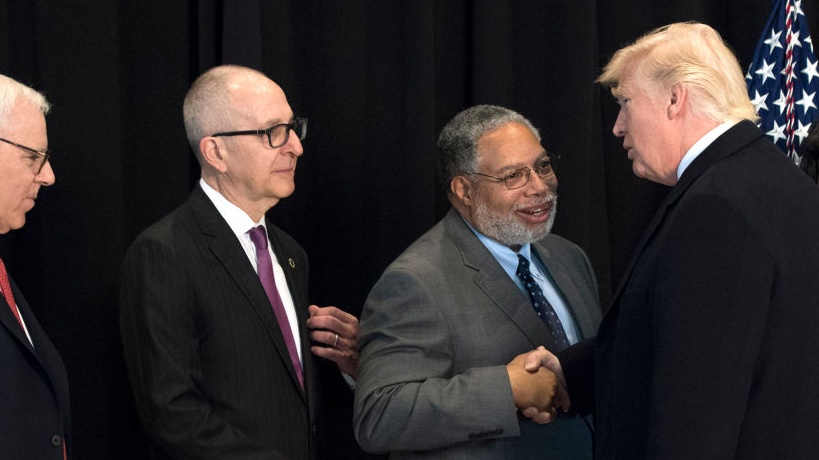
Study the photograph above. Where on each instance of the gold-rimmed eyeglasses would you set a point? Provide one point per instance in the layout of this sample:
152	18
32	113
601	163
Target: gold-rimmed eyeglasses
521	176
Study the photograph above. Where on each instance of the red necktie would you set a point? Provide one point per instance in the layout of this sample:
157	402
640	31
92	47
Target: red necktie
259	238
5	286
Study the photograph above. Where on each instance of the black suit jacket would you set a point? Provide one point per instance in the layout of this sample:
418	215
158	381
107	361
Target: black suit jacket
209	367
709	349
34	402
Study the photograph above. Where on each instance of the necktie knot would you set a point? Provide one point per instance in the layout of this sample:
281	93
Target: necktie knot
259	237
523	266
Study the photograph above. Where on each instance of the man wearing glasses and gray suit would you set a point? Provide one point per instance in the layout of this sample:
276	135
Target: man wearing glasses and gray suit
444	330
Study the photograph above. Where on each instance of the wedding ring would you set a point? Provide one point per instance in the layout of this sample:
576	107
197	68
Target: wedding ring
336	342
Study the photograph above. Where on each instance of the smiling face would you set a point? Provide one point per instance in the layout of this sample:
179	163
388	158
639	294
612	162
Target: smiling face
19	179
253	175
511	217
648	134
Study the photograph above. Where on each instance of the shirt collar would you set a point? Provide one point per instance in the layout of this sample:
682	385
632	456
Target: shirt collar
502	253
701	145
237	219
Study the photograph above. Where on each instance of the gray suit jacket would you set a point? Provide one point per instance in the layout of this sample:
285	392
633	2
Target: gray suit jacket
437	331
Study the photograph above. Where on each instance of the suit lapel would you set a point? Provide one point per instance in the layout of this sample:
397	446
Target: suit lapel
8	320
567	288
45	353
740	135
228	251
290	263
494	282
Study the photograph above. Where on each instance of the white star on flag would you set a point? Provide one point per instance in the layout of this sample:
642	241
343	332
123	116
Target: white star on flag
759	101
782	71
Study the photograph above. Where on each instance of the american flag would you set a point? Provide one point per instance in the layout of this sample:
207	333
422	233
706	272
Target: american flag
783	80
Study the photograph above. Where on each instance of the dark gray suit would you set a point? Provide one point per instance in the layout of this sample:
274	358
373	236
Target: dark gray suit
207	361
437	331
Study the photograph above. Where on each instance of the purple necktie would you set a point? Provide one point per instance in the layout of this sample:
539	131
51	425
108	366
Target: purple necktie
259	237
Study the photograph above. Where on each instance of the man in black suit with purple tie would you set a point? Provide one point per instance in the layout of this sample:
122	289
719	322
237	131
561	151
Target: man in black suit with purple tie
226	357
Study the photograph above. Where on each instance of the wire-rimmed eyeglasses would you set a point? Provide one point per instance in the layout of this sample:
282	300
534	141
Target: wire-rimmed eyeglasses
41	156
277	135
521	176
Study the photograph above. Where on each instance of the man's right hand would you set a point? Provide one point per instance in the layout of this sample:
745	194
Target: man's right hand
537	360
532	389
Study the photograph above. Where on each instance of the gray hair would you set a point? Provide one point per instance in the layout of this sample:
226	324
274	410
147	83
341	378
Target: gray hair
11	90
458	141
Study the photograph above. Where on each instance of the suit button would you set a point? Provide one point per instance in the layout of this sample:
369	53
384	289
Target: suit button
56	440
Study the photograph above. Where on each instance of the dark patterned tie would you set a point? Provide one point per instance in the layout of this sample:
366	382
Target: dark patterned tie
259	237
542	307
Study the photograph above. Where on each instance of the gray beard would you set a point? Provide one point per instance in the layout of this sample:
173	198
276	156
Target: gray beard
507	229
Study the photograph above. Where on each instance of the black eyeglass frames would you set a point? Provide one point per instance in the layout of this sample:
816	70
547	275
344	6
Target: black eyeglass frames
277	135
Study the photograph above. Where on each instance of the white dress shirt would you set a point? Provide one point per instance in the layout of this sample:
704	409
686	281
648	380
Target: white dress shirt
241	223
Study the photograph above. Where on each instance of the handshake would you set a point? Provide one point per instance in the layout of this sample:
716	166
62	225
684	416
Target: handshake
538	385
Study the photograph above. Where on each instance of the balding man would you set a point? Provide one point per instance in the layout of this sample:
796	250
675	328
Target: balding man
219	340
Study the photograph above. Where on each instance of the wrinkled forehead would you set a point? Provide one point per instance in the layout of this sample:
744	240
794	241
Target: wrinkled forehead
511	143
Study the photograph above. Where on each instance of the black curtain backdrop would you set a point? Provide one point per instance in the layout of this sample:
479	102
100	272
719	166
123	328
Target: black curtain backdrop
377	80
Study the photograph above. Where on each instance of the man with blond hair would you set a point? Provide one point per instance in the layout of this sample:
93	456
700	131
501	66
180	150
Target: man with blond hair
709	348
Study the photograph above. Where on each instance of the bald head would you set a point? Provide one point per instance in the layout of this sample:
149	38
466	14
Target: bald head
212	104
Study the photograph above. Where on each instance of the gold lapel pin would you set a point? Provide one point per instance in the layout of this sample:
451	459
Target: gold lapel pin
292	264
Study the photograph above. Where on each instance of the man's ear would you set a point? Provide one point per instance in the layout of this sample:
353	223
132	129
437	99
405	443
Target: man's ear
462	189
212	153
677	100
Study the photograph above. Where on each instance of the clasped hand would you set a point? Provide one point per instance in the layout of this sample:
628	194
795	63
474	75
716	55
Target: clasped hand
538	385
